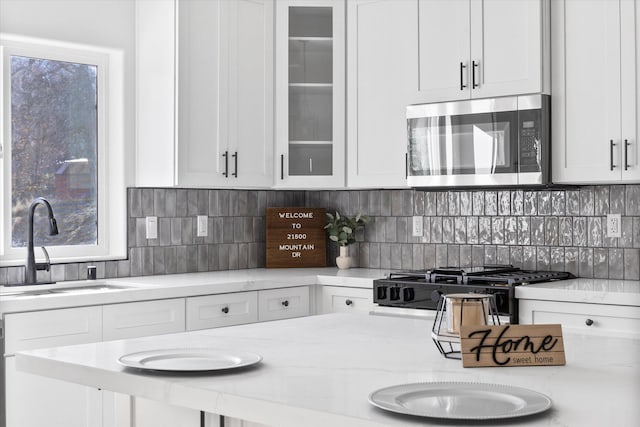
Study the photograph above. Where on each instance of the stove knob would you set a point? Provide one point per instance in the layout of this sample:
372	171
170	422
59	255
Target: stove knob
435	295
382	292
394	293
408	294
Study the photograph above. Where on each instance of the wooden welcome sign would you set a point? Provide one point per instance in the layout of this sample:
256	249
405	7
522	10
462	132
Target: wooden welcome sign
511	345
296	238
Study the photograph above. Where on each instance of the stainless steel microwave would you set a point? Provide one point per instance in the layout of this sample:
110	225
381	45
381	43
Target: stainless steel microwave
481	142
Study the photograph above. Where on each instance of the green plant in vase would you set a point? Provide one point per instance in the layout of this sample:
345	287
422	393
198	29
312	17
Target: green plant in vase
342	230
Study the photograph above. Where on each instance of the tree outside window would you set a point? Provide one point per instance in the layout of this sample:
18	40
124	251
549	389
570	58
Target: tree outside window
54	142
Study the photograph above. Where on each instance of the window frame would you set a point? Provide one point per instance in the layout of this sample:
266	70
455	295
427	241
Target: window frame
111	213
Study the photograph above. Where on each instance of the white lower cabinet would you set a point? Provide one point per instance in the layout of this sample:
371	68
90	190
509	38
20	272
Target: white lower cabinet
603	319
284	303
35	401
335	299
214	311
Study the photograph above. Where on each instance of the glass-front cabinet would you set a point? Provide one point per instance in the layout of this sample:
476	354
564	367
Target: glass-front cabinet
310	91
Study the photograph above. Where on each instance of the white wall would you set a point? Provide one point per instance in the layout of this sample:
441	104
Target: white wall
104	23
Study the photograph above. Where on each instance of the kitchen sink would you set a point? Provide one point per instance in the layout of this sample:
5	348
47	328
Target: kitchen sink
69	290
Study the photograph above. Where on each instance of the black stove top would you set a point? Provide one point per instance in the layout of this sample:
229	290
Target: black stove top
497	275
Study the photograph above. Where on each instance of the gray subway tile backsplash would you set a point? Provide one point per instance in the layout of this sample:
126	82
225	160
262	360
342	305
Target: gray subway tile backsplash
532	229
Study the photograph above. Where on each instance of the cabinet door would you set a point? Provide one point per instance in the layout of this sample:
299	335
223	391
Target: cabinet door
336	299
141	319
506	47
155	93
630	76
382	41
34	401
214	311
274	304
246	67
310	92
444	46
200	147
586	87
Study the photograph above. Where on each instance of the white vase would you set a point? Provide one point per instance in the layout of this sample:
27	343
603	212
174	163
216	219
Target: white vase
344	261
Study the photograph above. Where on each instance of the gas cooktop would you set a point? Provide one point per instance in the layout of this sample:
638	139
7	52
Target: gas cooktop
422	289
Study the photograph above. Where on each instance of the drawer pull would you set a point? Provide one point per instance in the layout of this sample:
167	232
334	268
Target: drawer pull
348	302
225	310
588	322
285	303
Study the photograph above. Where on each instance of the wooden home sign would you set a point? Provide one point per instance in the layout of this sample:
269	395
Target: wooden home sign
296	238
511	345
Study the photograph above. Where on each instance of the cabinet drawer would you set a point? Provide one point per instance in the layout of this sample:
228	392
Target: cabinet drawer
52	328
283	303
213	311
138	319
592	318
340	299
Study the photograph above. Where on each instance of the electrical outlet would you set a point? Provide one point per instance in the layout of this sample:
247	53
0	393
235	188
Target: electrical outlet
152	227
614	225
202	226
418	229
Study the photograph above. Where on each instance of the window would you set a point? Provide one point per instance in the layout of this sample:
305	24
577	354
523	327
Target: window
61	140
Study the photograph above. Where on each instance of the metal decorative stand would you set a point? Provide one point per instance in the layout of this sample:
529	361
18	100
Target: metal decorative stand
457	310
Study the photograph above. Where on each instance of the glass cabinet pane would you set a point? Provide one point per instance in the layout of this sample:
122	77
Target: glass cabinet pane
310	114
310	90
310	22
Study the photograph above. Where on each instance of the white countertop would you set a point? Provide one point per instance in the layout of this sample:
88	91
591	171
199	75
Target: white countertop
179	285
593	291
319	371
600	291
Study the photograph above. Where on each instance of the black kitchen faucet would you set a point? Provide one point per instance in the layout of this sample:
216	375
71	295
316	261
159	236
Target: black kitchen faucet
30	277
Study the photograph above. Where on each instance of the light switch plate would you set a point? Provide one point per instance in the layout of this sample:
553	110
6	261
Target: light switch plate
203	230
418	229
152	227
614	225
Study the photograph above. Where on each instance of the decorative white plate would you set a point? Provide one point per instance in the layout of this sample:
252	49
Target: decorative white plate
460	400
188	359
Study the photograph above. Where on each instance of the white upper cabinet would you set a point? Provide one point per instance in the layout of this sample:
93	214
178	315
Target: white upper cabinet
595	94
479	49
382	41
225	93
310	94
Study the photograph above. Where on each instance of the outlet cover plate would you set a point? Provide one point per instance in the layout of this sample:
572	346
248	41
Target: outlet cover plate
152	227
614	225
418	226
203	230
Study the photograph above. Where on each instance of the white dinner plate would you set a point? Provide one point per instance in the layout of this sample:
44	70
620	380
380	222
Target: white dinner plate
460	400
189	359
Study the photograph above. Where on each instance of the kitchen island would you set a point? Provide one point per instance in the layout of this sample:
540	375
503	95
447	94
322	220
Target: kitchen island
320	370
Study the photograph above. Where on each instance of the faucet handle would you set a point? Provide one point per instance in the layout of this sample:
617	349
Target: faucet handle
44	265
